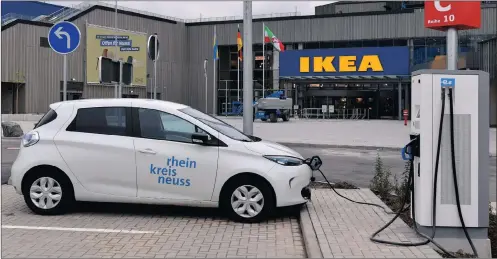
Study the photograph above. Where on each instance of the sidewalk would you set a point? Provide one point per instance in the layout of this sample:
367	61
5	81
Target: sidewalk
366	134
341	229
363	134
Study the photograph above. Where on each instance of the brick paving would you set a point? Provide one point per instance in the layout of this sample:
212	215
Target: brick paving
343	228
174	232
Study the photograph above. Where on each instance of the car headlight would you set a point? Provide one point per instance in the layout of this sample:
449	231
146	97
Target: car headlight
286	160
30	138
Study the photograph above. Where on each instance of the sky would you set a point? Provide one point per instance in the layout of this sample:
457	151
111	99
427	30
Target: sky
205	9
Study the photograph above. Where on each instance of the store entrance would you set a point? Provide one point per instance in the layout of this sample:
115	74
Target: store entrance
352	100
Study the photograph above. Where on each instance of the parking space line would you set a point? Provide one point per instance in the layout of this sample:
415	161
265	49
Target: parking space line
101	230
13	148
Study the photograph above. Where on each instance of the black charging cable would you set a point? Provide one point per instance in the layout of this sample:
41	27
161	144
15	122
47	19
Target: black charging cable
410	190
454	173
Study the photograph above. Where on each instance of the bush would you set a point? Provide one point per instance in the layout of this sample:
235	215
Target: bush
492	231
381	184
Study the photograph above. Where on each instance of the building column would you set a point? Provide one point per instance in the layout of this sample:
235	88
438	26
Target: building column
410	45
399	90
276	70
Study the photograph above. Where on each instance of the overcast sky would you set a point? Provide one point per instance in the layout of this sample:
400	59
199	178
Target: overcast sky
193	10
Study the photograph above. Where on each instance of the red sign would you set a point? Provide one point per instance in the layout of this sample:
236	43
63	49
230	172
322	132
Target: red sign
462	15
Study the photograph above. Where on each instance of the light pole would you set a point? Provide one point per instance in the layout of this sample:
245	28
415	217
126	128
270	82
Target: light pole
248	93
205	75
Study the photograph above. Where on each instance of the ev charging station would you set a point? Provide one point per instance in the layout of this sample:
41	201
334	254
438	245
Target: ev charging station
450	141
470	91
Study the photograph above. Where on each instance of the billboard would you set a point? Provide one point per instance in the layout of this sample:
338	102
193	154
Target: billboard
370	61
131	48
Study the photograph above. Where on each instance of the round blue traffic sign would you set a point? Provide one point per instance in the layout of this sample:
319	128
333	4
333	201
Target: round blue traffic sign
64	37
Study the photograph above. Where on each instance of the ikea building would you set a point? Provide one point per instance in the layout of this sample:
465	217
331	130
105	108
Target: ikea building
355	58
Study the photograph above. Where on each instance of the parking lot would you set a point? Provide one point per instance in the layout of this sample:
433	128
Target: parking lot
117	231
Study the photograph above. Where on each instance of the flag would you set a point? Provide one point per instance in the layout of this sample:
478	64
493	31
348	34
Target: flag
270	38
239	42
215	50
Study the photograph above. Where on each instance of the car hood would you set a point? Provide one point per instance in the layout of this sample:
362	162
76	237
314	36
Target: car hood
264	147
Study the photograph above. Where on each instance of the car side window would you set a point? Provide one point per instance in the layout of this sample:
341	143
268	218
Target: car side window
161	125
100	120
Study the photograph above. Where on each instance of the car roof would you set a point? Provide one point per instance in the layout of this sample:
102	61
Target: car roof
124	101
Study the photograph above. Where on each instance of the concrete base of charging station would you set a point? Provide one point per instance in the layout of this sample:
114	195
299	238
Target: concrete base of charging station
454	239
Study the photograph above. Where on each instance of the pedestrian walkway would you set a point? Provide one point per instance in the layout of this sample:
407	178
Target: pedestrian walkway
365	134
389	134
342	228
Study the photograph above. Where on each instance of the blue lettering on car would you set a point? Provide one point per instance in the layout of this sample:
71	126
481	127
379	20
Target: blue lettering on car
166	174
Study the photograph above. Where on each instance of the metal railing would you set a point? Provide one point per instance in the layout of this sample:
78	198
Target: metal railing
10	17
345	114
233	18
69	11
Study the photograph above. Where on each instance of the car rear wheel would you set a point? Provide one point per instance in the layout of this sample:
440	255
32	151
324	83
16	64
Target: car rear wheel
248	201
48	194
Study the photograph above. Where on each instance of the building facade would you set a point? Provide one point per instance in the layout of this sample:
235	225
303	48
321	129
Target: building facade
351	32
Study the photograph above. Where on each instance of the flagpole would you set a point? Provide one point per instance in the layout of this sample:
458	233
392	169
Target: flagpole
214	88
238	70
263	58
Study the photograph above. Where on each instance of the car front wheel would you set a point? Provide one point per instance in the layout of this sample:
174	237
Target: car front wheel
249	201
49	194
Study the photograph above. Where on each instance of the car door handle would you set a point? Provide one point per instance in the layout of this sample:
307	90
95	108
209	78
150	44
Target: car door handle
147	151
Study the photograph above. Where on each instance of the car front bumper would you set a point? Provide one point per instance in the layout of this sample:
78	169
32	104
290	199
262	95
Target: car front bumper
291	184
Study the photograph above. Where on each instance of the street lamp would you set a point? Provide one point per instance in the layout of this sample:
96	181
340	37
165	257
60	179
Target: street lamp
205	75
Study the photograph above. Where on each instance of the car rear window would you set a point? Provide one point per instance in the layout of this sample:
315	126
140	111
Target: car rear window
47	118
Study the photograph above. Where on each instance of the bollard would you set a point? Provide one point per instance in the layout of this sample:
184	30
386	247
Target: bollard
406	114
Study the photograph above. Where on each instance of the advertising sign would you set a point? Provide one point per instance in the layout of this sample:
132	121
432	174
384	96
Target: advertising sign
375	61
463	15
132	48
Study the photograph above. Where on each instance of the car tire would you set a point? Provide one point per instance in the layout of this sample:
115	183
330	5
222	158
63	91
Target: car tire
48	193
285	117
272	117
233	194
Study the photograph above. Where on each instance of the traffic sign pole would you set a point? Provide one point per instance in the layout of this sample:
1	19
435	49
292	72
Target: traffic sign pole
64	38
64	87
155	68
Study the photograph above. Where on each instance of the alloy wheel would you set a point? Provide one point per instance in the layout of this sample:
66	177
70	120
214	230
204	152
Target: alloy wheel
247	201
45	193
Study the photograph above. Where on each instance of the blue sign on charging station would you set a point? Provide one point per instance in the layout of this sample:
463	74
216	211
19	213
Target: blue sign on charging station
448	82
64	37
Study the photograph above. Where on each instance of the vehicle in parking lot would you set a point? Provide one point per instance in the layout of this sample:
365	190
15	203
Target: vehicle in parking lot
153	152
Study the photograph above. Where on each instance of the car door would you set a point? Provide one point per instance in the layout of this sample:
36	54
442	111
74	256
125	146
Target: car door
98	148
169	165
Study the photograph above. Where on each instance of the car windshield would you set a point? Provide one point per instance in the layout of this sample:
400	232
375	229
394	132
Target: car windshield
219	125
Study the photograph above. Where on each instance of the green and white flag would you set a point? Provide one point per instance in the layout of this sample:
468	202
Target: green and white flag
270	38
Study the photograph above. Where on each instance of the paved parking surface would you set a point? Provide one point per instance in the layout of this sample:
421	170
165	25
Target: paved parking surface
343	228
116	231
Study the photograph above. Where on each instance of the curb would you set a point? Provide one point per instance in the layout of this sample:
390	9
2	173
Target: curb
310	145
311	244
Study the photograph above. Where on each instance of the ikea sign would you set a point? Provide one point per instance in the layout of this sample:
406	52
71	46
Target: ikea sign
392	61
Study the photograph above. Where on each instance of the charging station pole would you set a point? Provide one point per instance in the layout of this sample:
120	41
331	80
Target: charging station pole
452	49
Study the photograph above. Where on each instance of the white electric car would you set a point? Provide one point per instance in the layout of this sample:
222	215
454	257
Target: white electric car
154	152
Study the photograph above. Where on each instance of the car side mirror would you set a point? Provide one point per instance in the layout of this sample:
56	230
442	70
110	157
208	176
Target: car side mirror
314	163
200	138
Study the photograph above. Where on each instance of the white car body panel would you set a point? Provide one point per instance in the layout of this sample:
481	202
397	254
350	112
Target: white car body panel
106	168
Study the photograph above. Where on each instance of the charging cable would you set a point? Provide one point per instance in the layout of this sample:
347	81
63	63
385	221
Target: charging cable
410	190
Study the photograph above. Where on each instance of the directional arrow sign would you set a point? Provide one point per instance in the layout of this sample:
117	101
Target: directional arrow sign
64	37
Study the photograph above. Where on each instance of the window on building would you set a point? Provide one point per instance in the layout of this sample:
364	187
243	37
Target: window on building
385	43
326	44
370	43
100	120
44	42
400	42
311	45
